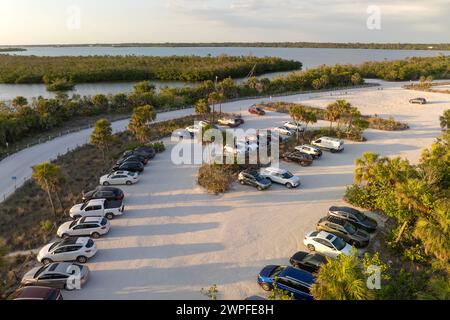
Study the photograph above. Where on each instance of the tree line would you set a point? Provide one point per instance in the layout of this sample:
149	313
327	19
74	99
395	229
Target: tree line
24	118
81	69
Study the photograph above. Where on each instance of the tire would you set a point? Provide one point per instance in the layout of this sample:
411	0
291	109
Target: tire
265	286
289	185
95	235
311	247
259	188
65	287
82	259
106	183
303	164
46	261
109	216
332	151
242	182
128	183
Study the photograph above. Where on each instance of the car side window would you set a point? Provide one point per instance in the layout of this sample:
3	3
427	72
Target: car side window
79	227
61	250
97	207
326	243
88	209
73	248
45	277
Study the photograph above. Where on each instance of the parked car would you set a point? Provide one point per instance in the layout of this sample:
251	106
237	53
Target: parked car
283	131
330	144
280	176
253	178
241	147
310	262
102	192
36	293
345	230
294	126
418	100
87	226
310	150
71	249
145	151
119	177
55	275
139	151
295	281
132	158
301	158
327	244
97	208
256	110
232	122
354	216
131	166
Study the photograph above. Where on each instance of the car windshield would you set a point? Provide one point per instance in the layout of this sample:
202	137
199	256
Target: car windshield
257	176
350	228
338	243
360	216
41	270
287	175
277	271
73	223
84	205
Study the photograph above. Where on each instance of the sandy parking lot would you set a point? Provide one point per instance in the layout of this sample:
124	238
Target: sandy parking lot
175	239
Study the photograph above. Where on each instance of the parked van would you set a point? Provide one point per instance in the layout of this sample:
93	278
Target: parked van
330	144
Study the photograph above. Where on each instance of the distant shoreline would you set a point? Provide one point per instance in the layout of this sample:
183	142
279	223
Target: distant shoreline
12	50
324	45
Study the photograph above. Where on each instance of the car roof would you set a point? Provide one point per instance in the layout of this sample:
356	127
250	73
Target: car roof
90	219
34	292
344	209
96	202
326	236
57	267
73	240
298	274
273	169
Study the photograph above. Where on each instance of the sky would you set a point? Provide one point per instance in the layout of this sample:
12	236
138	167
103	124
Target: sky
28	22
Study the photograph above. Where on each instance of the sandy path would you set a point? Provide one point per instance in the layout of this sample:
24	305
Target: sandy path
175	239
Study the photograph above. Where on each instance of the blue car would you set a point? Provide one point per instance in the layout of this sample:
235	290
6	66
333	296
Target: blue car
293	280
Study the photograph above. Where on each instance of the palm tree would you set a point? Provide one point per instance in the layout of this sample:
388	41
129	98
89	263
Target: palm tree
309	117
49	177
365	166
434	231
341	279
102	136
297	113
139	121
202	107
332	114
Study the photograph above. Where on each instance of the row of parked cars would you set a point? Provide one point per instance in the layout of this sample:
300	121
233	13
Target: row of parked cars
63	261
335	234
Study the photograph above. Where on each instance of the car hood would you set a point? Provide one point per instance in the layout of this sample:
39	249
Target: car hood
44	250
64	227
267	270
294	180
76	208
347	250
265	182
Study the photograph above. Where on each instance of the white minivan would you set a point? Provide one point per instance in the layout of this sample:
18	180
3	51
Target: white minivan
330	144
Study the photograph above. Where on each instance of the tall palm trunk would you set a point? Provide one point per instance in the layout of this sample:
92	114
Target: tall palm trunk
47	188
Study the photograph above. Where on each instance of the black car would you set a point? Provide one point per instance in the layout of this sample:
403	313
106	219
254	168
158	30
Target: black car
356	217
132	158
310	262
301	158
101	192
253	178
131	166
148	151
345	230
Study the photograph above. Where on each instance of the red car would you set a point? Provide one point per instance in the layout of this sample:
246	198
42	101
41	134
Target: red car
256	110
36	293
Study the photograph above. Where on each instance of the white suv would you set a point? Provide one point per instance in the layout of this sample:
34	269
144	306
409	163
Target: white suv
86	226
327	244
280	176
292	125
70	249
331	144
313	151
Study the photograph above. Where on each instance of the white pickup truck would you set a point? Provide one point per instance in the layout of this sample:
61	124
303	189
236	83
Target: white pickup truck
98	208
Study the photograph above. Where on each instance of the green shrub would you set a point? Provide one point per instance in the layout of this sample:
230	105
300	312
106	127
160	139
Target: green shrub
360	197
214	178
158	146
46	225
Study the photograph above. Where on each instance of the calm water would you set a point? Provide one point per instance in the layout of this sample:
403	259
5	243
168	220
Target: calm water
310	57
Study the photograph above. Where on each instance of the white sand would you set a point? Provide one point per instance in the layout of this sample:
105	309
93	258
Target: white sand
175	239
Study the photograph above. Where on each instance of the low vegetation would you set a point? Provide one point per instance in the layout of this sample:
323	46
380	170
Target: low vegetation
58	84
34	69
426	84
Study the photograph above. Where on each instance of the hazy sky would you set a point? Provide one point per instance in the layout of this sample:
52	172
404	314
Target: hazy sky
115	21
